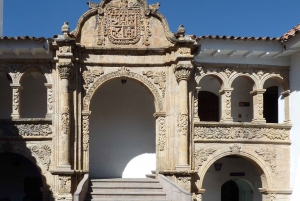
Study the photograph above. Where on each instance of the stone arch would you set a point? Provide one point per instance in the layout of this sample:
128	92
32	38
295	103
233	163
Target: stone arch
266	177
123	73
251	78
27	69
37	162
278	78
217	76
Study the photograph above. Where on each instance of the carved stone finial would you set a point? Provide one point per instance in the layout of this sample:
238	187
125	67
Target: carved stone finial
181	31
65	70
65	29
154	7
182	71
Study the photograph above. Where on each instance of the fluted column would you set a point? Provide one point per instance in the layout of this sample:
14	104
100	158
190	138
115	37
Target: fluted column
286	96
16	89
226	104
258	106
182	73
65	73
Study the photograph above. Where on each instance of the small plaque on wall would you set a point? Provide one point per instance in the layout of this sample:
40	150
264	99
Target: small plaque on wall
244	104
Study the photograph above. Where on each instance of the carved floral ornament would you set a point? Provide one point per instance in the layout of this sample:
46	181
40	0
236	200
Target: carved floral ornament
184	182
182	71
65	70
122	72
25	130
124	22
89	76
43	153
64	184
269	156
159	78
162	137
201	155
229	133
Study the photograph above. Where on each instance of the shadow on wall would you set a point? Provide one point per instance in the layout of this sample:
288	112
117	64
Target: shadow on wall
122	127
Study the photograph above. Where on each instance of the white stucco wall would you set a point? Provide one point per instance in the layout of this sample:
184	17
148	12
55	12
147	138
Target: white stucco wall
295	117
122	127
213	180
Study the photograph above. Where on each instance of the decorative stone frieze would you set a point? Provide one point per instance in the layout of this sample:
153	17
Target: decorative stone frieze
65	70
229	133
25	130
43	153
162	137
159	78
201	155
64	184
269	156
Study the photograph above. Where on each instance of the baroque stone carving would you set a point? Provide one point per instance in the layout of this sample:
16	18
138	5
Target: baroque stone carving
197	197
86	132
182	71
268	156
196	116
25	130
50	99
272	197
16	98
159	78
182	122
122	72
235	149
89	76
65	70
184	182
240	133
184	51
260	101
201	155
123	22
162	138
64	49
43	153
64	184
228	71
65	119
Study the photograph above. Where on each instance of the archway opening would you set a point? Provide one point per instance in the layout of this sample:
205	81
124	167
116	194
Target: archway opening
122	127
33	95
243	177
20	178
6	95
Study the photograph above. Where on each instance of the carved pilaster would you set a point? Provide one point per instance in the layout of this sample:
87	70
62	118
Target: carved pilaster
196	106
286	96
49	100
182	73
16	88
161	140
85	139
226	105
65	70
258	106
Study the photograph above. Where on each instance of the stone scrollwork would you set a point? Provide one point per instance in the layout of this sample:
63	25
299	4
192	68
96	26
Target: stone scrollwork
25	130
89	76
182	122
162	138
229	133
268	156
201	155
65	119
43	153
86	131
65	70
159	78
64	184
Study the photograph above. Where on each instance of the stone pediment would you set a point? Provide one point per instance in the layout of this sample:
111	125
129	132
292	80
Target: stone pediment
129	23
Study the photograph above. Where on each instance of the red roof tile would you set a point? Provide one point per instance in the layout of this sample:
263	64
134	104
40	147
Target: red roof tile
290	33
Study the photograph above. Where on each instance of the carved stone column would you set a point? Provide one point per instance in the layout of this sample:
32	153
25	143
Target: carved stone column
182	73
16	88
49	100
196	105
85	139
286	96
226	104
258	106
161	141
65	73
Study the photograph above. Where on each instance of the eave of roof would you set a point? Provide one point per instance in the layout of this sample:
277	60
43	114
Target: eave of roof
40	39
238	38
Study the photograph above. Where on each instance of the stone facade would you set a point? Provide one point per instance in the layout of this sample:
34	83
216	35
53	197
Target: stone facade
122	39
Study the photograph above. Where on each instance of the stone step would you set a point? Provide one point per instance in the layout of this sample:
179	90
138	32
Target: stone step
122	184
125	180
127	195
151	176
125	199
135	188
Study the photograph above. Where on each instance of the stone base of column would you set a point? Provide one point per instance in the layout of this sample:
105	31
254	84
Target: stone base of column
227	120
15	116
183	167
261	121
48	116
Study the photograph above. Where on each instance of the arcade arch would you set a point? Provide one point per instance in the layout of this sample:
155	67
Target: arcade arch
6	97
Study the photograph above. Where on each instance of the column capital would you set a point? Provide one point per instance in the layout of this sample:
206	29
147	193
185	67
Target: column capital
182	71
65	70
286	93
224	90
258	91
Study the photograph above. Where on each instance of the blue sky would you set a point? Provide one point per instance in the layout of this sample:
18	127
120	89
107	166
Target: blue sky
200	17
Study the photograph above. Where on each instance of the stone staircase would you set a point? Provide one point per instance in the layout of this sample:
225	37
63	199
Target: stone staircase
145	189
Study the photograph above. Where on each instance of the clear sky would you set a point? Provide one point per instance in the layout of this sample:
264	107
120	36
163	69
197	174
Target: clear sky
201	17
